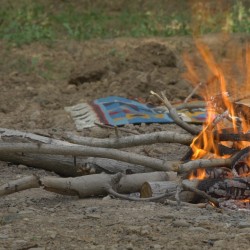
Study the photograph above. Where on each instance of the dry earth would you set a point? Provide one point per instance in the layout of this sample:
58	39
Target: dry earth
38	81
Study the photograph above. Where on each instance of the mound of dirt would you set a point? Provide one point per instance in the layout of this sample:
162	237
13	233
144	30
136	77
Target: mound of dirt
150	66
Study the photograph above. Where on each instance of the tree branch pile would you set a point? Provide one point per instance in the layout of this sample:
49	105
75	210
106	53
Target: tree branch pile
98	167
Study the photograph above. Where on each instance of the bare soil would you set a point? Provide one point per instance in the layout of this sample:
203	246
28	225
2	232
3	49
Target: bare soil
38	81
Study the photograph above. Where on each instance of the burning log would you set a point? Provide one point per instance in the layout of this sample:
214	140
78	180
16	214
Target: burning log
233	188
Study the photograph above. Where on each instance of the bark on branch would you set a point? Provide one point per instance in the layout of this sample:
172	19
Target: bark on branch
131	141
115	154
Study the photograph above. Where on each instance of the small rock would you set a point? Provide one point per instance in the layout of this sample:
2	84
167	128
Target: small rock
198	229
4	236
244	224
157	246
37	248
145	230
13	210
26	212
130	247
53	235
220	244
19	244
94	216
180	223
245	230
23	167
91	209
107	198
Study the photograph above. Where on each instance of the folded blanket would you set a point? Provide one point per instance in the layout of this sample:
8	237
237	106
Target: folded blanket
118	111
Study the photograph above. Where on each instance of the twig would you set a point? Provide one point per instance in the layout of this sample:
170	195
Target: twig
116	132
201	193
101	125
193	92
122	196
155	198
191	105
174	115
131	141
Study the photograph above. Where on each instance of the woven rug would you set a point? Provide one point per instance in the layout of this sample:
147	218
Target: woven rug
118	111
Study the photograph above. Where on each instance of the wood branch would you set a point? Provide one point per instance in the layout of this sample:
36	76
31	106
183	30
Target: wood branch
193	92
10	135
156	164
232	136
115	154
131	141
190	166
129	131
174	115
195	105
24	183
69	166
155	198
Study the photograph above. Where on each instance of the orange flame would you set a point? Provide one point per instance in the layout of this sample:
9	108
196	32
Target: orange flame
205	145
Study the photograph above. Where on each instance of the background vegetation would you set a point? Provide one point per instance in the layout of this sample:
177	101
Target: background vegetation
26	21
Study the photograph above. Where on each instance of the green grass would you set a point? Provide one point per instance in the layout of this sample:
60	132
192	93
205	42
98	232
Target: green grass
29	23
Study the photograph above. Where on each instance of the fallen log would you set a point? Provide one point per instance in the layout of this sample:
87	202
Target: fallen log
70	166
77	150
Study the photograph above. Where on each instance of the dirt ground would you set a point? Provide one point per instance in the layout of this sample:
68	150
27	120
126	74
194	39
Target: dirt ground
38	81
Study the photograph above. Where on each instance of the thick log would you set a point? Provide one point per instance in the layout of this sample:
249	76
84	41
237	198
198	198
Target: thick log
130	183
19	185
69	166
77	150
152	189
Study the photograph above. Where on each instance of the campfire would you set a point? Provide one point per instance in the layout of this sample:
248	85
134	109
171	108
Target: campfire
225	133
215	170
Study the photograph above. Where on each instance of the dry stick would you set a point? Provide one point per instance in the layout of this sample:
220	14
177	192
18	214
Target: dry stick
131	141
203	163
195	105
157	164
174	115
193	92
77	150
122	196
101	125
166	201
201	193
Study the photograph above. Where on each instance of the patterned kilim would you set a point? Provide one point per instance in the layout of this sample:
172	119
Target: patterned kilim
118	111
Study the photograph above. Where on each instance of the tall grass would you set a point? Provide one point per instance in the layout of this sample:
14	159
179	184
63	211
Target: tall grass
34	22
